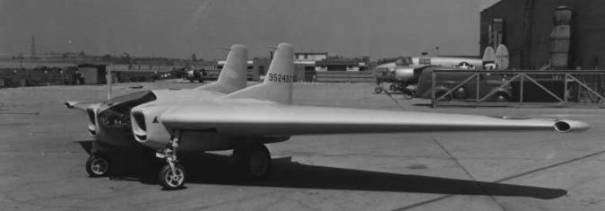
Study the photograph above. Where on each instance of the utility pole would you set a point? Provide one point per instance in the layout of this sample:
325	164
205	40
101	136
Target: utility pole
33	47
528	26
108	80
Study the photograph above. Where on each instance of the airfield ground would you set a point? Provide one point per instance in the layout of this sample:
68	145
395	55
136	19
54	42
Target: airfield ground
41	168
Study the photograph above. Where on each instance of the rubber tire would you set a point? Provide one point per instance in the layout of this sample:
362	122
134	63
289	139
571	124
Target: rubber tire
444	99
243	160
166	171
500	97
91	161
378	90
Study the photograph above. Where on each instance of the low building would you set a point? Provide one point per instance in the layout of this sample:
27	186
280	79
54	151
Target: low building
341	64
91	74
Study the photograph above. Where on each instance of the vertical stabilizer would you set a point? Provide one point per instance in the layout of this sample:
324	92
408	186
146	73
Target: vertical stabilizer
277	85
234	74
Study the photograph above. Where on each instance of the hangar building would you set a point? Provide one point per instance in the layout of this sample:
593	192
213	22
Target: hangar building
527	27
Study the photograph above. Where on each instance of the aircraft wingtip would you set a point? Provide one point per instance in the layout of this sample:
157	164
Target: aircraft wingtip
565	126
69	104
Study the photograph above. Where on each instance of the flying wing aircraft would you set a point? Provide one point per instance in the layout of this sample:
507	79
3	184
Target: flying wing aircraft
109	122
248	119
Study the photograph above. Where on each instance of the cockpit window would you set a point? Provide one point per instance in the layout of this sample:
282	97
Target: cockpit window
141	95
117	114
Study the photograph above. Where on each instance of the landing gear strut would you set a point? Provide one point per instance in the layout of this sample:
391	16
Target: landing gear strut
172	175
253	160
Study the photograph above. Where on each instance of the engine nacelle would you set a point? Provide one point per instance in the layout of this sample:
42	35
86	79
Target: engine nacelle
93	121
146	128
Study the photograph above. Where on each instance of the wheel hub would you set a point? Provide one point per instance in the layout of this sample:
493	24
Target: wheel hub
175	179
99	166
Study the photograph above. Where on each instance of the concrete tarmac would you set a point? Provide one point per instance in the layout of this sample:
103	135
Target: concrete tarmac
42	168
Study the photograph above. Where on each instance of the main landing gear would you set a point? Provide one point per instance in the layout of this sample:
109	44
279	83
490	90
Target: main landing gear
252	160
172	176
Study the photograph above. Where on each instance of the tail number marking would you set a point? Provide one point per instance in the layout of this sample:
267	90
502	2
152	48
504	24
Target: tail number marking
281	78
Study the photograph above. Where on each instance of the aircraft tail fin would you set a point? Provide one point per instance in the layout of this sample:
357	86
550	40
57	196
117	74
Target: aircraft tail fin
277	85
234	74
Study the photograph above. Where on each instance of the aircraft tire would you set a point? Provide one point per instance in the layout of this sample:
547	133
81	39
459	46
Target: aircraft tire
97	166
170	181
253	161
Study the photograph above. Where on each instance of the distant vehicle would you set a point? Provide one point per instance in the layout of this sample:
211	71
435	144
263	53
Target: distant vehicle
403	73
193	75
446	81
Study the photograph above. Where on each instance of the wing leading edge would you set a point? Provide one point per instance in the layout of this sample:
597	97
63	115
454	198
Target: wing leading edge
276	119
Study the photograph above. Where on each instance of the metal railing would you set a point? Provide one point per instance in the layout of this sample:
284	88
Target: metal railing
564	88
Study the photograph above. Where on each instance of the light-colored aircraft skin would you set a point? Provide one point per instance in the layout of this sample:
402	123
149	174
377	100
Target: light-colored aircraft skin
437	61
394	72
246	119
113	128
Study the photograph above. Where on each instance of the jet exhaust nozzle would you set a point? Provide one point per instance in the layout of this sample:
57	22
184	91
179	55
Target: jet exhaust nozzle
565	126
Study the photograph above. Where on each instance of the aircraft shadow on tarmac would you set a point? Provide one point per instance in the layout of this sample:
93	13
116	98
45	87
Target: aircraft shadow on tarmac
206	168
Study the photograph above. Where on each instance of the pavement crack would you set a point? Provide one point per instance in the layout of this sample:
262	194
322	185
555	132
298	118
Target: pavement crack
467	172
551	166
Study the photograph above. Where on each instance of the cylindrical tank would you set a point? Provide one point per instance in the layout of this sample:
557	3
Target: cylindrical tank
560	38
562	15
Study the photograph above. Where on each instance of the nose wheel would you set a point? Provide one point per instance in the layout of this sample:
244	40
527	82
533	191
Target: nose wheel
173	175
97	166
253	161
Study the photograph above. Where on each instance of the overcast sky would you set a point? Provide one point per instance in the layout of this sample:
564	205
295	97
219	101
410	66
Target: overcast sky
178	28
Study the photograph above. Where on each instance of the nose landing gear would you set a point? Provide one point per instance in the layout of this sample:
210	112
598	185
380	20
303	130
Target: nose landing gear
97	166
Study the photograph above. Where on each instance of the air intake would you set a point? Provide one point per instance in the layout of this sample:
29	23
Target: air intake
139	118
92	123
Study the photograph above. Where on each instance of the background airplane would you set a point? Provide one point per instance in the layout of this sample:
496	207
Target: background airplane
248	119
403	73
109	122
